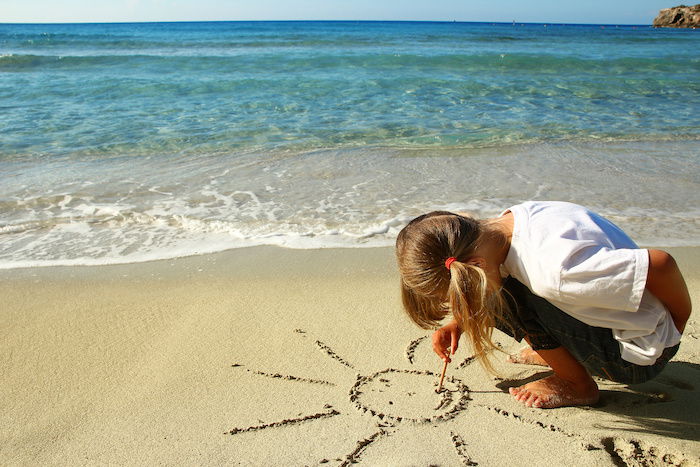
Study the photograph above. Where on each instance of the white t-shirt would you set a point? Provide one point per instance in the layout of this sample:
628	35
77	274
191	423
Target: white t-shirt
589	268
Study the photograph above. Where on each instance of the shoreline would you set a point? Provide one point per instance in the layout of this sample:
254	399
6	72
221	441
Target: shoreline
251	356
188	208
247	251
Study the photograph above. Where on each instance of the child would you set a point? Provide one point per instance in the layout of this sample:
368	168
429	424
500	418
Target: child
586	299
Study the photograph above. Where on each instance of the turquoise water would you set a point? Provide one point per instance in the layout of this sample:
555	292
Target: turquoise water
128	142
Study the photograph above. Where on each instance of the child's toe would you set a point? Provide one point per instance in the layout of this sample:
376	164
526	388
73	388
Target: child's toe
532	400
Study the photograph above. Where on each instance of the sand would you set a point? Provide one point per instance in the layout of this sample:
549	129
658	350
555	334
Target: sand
267	356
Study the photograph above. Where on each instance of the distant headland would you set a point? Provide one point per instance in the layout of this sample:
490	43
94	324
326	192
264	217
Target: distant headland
678	17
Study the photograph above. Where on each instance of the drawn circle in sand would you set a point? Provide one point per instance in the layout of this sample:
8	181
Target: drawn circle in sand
409	395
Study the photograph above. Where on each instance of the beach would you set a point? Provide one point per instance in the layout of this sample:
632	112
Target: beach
273	356
197	223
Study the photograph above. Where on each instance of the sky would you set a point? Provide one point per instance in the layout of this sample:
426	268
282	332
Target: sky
539	11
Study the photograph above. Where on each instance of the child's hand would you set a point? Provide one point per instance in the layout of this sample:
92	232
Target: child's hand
446	340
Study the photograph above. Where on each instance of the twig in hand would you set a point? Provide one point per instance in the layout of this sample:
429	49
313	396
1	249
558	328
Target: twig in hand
442	377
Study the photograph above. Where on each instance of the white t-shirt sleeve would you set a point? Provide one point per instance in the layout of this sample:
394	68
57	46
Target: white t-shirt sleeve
601	277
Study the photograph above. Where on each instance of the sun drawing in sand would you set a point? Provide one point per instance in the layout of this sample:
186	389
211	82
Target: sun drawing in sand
396	397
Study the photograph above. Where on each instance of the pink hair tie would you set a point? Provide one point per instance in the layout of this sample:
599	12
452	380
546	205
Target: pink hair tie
449	261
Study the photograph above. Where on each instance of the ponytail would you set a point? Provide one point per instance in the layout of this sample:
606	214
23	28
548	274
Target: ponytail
471	304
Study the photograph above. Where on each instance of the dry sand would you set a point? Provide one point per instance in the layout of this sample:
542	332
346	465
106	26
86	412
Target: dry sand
265	356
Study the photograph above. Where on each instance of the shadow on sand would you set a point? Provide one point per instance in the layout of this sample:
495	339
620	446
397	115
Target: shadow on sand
668	405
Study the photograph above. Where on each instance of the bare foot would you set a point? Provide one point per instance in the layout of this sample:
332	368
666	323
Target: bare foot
528	357
553	391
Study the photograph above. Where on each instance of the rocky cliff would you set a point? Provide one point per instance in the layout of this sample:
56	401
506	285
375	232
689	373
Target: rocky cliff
678	17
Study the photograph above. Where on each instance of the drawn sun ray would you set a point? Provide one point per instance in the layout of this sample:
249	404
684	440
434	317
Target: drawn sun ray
395	397
331	412
410	353
354	456
334	355
461	448
411	348
288	377
522	419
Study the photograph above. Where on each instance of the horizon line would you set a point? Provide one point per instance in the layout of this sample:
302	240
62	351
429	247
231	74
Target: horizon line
514	22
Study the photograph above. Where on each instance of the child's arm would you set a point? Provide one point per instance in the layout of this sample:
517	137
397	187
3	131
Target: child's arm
665	281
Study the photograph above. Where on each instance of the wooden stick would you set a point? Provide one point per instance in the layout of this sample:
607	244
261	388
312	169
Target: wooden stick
442	377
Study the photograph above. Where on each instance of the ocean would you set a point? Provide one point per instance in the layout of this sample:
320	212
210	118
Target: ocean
135	142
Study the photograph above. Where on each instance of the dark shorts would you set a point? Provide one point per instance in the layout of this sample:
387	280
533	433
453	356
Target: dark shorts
547	327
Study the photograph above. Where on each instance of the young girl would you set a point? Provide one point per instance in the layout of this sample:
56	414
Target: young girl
586	299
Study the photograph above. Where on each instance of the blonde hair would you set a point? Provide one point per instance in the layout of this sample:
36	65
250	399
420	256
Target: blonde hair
430	291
